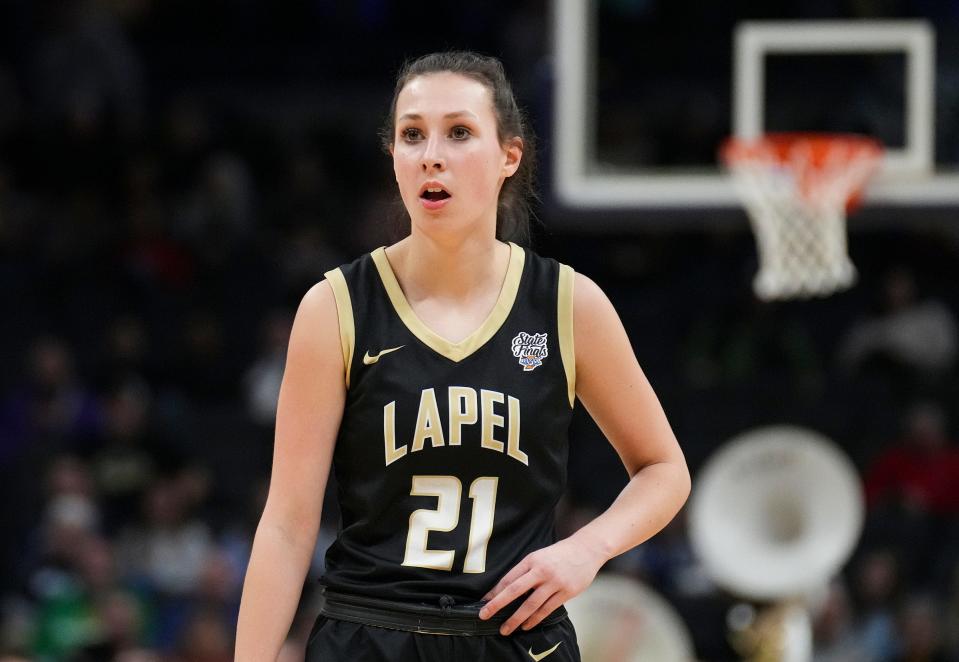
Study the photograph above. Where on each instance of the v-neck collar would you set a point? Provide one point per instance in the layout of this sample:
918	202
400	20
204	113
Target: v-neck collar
458	351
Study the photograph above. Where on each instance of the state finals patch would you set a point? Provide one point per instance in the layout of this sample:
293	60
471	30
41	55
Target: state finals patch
530	350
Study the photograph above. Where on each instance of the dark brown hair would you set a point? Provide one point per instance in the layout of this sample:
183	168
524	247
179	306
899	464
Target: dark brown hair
513	211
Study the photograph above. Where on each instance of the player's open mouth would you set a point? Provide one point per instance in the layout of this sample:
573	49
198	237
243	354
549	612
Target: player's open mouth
433	196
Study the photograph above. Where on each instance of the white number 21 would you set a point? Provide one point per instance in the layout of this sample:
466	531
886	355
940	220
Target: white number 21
445	517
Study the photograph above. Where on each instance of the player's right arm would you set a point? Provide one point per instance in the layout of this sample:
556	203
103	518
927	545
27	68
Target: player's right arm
308	417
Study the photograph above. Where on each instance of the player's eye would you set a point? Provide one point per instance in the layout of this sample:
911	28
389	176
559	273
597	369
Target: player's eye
460	133
411	134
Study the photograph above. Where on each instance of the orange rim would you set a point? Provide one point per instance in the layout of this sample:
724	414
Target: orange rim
819	150
820	146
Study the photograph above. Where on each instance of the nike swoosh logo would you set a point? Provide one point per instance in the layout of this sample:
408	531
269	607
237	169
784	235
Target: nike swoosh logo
539	656
370	360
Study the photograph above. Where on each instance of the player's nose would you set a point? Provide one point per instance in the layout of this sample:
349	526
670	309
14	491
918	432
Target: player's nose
432	158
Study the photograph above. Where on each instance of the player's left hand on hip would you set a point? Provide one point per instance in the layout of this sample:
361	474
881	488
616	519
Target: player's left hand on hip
554	574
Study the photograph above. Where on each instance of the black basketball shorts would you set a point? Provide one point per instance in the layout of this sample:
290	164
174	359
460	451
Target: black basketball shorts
333	640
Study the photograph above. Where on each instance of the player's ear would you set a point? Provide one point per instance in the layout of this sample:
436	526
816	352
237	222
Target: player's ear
513	150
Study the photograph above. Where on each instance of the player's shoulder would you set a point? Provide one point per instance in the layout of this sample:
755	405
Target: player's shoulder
592	309
319	295
317	308
323	324
587	295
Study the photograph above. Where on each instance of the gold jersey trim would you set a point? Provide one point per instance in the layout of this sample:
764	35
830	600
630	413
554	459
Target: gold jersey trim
454	351
564	319
344	312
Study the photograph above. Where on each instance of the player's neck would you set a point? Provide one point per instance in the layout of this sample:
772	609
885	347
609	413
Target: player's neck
454	270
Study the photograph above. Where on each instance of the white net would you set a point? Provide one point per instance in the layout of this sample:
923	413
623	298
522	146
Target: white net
795	191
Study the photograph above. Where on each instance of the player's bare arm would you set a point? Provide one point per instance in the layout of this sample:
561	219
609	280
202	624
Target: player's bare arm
309	410
616	393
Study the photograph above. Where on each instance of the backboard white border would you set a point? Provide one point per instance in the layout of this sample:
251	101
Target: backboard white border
578	184
754	41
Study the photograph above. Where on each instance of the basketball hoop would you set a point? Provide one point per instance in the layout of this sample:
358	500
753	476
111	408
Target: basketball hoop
797	188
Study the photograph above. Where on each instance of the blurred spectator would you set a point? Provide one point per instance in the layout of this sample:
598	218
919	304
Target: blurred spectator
912	493
151	257
169	548
126	355
206	638
124	465
167	554
118	619
219	213
68	516
919	473
17	616
834	639
750	343
263	378
86	68
219	585
951	613
137	655
67	475
876	583
205	371
921	631
187	139
122	619
89	94
913	338
66	617
52	409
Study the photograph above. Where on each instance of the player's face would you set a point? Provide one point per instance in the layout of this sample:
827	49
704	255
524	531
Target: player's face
446	139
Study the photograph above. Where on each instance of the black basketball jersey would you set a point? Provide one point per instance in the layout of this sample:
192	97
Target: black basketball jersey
450	457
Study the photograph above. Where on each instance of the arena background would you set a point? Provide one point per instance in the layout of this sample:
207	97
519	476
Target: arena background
175	175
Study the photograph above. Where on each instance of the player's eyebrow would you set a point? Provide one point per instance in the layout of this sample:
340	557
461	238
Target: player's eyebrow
447	116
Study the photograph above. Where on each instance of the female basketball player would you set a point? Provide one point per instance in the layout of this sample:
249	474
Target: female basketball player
437	377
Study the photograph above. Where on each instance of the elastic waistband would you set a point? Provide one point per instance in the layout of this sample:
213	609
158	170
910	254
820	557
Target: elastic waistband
449	618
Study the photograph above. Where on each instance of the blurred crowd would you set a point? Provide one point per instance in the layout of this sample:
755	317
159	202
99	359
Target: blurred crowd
173	178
